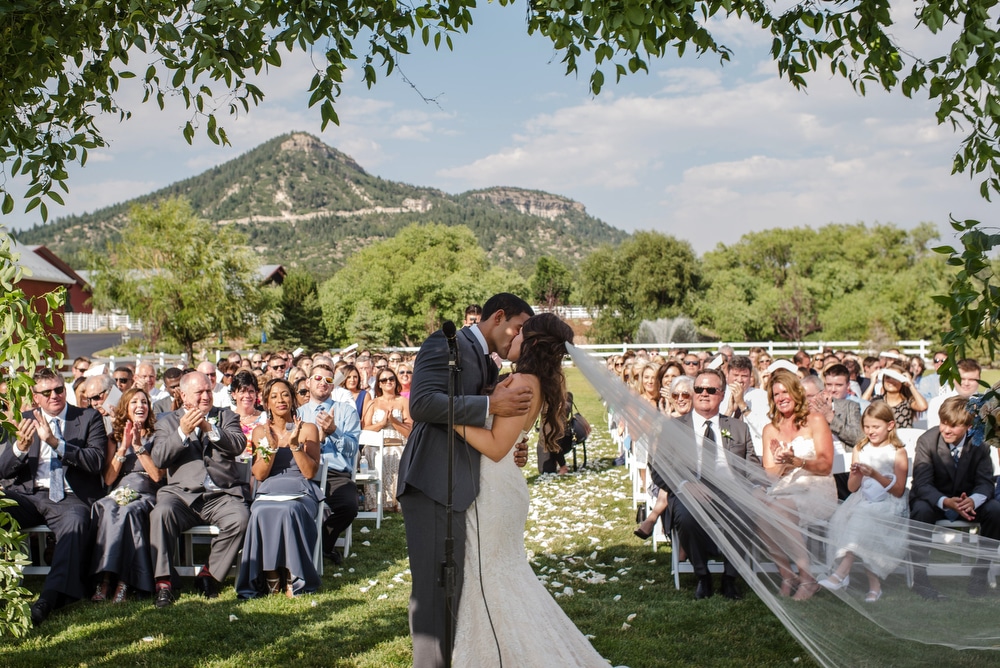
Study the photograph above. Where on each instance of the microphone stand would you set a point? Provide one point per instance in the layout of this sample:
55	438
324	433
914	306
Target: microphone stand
448	567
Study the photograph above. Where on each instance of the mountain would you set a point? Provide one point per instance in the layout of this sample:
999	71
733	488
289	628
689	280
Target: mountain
301	202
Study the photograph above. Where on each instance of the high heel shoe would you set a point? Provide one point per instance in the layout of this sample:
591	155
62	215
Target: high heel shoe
806	590
101	592
273	582
833	582
788	586
121	593
642	534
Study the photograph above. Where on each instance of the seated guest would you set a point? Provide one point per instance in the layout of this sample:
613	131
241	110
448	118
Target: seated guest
798	451
388	413
897	390
681	401
80	366
710	430
952	479
246	395
969	373
405	372
877	483
339	429
281	535
170	398
54	468
929	382
121	519
97	390
843	416
80	392
123	378
198	445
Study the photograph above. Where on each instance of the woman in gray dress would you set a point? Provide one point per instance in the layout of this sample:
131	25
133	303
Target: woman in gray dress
281	536
121	519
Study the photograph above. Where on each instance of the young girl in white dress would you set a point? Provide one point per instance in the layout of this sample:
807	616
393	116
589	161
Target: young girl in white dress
877	482
506	617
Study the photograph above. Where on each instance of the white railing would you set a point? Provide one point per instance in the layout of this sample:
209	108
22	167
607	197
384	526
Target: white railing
774	348
94	322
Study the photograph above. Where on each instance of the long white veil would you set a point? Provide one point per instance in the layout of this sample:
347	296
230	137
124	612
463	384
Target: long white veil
837	628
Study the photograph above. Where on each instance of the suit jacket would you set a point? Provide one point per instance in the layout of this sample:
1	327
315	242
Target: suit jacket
424	465
935	475
83	461
188	460
739	444
846	423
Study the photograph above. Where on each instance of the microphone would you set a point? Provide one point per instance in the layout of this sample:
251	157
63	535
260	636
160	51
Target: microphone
449	333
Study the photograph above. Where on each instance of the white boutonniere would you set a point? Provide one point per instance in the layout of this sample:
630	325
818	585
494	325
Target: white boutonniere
726	434
213	420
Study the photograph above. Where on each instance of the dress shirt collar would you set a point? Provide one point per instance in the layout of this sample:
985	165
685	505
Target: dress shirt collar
698	422
61	416
480	338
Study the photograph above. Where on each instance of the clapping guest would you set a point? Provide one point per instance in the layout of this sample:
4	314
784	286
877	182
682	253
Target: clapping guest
246	395
339	428
281	534
198	445
388	413
798	451
121	519
664	377
54	468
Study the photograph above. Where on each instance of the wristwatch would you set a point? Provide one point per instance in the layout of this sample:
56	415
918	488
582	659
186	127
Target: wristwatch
295	448
139	450
120	459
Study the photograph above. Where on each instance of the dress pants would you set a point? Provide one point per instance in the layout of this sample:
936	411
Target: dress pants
171	516
69	520
988	516
426	522
342	501
695	540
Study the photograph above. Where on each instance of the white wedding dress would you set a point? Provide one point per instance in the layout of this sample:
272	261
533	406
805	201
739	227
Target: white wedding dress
505	613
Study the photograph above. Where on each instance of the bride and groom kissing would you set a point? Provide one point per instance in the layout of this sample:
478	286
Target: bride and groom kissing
504	614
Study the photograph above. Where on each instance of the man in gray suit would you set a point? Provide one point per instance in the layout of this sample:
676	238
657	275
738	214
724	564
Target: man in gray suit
710	430
829	398
423	488
198	445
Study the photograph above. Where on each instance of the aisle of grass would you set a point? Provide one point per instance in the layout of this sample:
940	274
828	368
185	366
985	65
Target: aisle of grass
580	540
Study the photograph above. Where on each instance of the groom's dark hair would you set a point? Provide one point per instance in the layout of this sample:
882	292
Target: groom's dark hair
511	305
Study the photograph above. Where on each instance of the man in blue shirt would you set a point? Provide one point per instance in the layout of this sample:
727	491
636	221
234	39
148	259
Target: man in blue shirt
339	430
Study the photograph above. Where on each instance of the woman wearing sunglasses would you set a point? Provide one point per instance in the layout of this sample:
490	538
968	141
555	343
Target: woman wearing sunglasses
679	398
388	413
405	373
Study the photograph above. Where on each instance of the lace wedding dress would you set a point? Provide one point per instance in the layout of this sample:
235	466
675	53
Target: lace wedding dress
505	614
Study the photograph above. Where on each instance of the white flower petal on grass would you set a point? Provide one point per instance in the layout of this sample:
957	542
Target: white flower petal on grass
618	560
363	590
365	530
350	570
631	617
233	618
568	591
382	597
626	626
366	544
617	597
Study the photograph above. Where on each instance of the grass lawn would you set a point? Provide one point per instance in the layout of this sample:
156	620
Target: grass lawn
579	536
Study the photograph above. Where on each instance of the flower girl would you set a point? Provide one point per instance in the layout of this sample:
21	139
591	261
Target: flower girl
877	483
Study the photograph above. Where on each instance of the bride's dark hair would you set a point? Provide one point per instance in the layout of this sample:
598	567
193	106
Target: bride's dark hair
543	346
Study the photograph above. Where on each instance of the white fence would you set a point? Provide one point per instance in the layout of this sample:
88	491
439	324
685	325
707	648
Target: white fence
774	348
95	322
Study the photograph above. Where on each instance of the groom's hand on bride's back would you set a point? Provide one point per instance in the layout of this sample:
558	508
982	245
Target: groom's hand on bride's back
509	401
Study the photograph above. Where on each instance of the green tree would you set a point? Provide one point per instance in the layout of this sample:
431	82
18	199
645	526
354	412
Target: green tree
302	318
23	345
551	284
650	276
183	278
400	290
836	282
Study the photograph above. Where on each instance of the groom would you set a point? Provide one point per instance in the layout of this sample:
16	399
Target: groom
423	488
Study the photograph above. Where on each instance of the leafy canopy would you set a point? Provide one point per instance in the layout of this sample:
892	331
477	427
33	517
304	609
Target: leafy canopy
398	291
184	278
64	61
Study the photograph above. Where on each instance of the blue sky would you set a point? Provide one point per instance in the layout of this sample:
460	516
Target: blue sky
694	149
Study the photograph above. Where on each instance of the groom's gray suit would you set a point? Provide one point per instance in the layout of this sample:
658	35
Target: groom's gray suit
423	484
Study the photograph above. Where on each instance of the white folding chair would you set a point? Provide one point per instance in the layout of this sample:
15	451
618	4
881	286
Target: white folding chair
373	476
319	479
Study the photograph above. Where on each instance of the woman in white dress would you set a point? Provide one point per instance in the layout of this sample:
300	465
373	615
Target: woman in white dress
505	616
877	482
798	451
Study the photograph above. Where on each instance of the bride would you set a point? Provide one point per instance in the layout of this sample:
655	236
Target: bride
506	617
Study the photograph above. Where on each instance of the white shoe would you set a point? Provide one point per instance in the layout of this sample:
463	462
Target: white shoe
833	582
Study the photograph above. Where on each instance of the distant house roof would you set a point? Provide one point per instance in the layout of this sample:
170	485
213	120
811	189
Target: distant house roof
271	273
38	260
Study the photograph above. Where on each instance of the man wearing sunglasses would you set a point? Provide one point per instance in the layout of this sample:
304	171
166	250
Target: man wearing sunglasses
103	396
339	431
720	439
55	465
276	366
